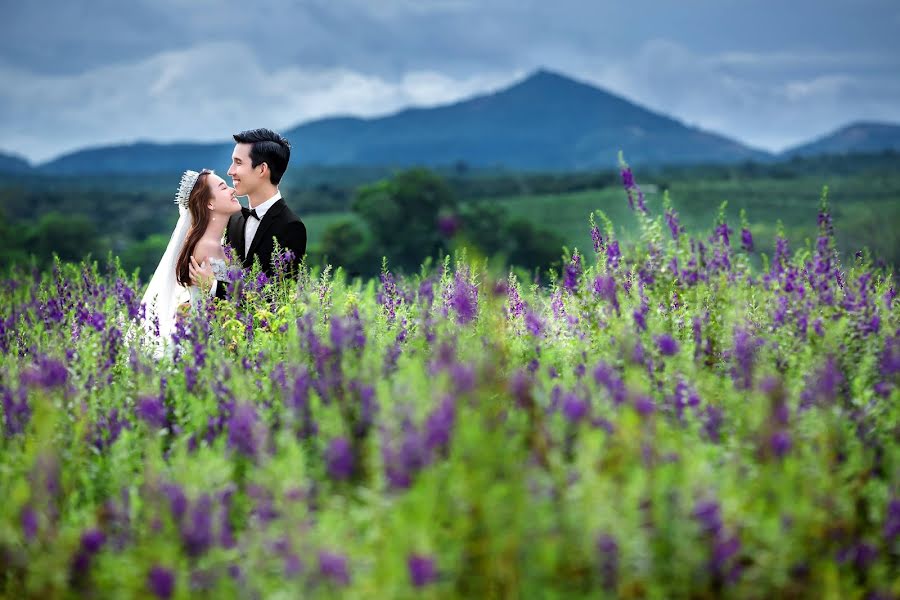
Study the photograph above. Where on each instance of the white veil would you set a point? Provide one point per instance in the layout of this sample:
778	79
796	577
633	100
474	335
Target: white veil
164	294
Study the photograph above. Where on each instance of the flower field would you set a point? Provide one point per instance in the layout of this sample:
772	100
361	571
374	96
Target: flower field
664	420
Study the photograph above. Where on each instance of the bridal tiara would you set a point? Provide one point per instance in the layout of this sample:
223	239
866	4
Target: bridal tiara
188	181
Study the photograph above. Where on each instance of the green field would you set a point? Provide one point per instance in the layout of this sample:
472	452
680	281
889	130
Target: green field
132	216
866	210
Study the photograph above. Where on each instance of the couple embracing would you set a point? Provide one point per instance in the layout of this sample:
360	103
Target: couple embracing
193	264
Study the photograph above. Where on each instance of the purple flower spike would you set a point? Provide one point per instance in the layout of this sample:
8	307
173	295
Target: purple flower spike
339	458
575	408
746	240
242	425
780	443
422	570
92	540
29	523
161	582
334	567
667	345
644	405
152	410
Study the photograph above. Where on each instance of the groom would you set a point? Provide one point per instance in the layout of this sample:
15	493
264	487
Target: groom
259	160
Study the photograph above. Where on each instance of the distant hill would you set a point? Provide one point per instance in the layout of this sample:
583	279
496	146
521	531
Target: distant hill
11	163
853	138
544	122
141	158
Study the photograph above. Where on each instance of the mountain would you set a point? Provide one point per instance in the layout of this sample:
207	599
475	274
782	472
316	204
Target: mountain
852	138
544	122
141	158
11	163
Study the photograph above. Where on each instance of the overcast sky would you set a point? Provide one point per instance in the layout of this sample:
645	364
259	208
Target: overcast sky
771	74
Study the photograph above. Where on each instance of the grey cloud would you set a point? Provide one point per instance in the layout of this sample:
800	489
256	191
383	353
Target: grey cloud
185	95
767	72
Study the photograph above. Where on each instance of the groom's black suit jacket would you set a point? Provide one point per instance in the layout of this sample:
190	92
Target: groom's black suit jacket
279	223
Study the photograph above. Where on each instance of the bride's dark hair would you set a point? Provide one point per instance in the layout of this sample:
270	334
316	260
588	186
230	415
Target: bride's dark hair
200	195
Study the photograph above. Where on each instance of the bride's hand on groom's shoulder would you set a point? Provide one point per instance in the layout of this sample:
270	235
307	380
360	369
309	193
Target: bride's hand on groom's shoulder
201	275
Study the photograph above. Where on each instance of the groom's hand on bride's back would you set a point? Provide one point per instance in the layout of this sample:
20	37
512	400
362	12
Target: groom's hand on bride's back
201	275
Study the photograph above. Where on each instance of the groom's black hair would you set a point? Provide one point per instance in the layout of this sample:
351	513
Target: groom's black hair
268	147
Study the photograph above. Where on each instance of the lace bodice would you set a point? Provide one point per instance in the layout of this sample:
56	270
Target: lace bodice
219	267
220	271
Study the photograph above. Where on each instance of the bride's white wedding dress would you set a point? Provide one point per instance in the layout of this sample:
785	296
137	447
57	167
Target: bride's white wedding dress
164	295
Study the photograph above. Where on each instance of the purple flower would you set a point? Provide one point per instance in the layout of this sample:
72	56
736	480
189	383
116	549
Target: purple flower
463	299
29	523
92	541
640	316
97	320
242	430
573	272
666	345
178	502
822	386
862	555
161	582
608	550
463	377
782	255
743	356
780	442
46	373
152	410
892	521
817	327
723	551
108	428
16	412
672	222
889	359
575	408
196	532
596	238
697	330
389	297
516	306
627	178
448	225
722	231
422	570
439	425
644	405
533	324
339	458
712	423
292	565
334	567
605	287
629	185
283	263
613	255
708	515
746	240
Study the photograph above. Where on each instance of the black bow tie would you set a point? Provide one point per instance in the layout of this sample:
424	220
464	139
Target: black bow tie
249	212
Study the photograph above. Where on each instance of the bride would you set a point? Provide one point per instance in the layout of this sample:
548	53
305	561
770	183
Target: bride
204	202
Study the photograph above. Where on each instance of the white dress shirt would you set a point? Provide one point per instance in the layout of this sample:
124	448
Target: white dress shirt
251	225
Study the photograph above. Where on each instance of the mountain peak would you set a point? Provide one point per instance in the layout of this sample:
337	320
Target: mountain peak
547	79
858	136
